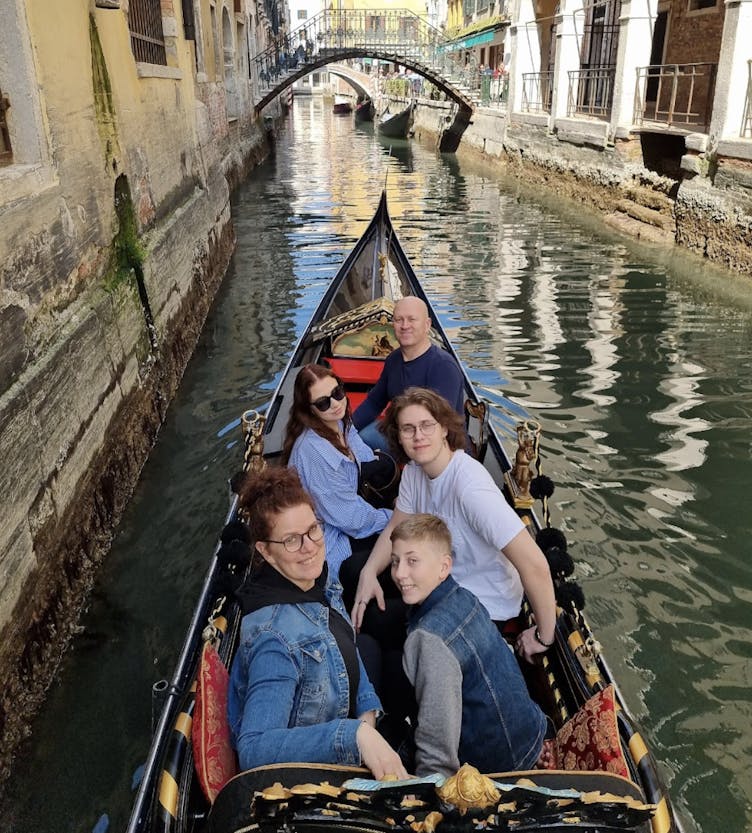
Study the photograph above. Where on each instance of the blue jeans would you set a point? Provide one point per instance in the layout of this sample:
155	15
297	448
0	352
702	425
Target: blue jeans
372	437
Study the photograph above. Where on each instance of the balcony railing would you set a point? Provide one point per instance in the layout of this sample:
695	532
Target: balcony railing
677	95
591	92
537	90
746	131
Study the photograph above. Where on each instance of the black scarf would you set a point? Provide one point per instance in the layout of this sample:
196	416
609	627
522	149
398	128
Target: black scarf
267	586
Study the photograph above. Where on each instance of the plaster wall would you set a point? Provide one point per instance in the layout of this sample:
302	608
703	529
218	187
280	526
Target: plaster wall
92	353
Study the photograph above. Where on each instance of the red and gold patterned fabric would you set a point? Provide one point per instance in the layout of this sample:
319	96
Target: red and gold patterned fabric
212	752
590	740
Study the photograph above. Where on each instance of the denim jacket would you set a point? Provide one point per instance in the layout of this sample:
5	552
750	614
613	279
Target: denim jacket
473	704
289	691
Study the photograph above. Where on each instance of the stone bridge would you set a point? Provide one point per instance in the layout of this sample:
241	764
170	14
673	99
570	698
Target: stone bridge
394	36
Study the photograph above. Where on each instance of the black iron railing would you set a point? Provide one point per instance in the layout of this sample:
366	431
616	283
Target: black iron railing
147	37
591	92
678	95
336	33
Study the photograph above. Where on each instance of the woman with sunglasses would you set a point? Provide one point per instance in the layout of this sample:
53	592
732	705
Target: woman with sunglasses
495	557
298	689
327	451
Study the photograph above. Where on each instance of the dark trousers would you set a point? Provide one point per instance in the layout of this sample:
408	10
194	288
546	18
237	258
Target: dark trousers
382	634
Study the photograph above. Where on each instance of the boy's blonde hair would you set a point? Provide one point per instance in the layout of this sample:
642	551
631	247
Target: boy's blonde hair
422	527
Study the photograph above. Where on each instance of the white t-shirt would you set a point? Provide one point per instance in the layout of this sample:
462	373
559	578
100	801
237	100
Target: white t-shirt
466	498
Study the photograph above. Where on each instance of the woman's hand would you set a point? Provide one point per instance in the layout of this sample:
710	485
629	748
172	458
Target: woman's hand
368	588
527	646
377	755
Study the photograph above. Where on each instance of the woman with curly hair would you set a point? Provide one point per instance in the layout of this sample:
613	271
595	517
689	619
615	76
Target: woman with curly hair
298	688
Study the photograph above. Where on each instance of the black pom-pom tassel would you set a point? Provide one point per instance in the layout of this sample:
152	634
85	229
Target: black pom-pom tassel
541	486
559	562
227	583
551	537
570	593
235	552
236	531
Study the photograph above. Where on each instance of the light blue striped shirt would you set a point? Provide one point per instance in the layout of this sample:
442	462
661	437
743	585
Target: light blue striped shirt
331	479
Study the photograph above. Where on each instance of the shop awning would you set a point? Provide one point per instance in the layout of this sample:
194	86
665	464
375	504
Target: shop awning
478	37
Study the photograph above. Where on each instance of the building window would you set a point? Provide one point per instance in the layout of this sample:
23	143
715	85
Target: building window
147	37
697	5
6	153
302	14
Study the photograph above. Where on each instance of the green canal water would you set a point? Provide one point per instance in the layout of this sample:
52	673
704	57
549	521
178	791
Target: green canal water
638	364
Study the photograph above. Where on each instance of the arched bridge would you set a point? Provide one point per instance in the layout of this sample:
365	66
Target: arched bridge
397	36
361	82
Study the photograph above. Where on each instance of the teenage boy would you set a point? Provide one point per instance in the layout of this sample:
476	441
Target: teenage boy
473	705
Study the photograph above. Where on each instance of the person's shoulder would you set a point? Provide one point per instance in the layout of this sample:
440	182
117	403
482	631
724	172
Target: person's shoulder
262	622
470	467
444	357
395	357
314	447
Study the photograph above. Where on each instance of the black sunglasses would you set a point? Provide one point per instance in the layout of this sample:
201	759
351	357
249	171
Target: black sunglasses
323	403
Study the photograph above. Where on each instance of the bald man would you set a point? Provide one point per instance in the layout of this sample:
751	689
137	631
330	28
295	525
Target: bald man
417	363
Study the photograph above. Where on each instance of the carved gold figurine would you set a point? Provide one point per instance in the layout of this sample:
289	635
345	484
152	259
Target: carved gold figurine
468	788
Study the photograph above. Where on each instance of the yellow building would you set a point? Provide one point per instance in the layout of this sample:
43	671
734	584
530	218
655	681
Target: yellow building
122	127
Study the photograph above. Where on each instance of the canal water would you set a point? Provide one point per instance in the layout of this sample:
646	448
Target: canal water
637	363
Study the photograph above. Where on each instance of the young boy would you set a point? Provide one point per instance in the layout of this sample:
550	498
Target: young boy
473	705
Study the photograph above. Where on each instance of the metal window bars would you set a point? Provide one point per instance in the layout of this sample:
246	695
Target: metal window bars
675	94
147	37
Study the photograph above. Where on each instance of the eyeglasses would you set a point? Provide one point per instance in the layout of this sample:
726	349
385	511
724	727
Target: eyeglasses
294	542
426	428
323	403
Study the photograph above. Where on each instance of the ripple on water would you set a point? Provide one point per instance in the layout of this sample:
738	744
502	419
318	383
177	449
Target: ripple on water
638	368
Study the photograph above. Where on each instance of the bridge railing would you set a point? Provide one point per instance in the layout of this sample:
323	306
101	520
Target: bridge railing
335	32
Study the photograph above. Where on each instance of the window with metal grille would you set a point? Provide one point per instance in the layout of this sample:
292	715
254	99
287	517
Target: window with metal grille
6	153
147	37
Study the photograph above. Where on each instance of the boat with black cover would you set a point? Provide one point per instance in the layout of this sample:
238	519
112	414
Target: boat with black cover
364	110
610	783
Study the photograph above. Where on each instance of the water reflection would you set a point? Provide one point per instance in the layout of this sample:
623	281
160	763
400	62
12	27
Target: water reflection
639	371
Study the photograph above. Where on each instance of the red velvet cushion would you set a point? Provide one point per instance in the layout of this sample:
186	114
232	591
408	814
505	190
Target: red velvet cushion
590	740
212	752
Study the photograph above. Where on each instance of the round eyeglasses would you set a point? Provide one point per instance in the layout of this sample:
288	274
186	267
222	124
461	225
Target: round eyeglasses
427	427
323	403
294	541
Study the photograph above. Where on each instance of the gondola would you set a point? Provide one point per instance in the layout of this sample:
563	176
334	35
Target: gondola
364	110
396	125
350	330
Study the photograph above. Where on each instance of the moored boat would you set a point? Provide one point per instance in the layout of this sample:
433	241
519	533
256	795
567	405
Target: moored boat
396	125
350	330
342	104
364	110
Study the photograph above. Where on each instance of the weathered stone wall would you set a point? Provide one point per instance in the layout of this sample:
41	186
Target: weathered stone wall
710	215
113	244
